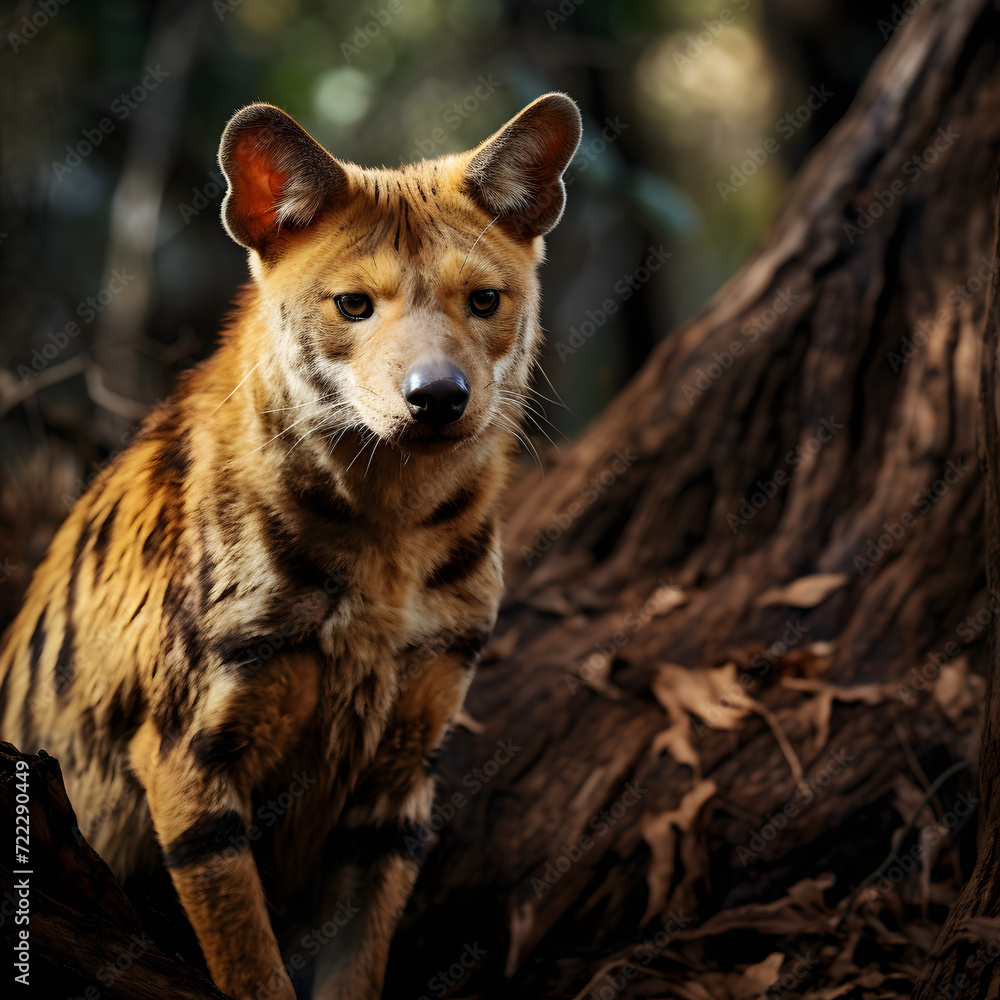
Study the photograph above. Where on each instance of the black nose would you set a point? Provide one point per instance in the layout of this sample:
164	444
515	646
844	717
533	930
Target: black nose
436	393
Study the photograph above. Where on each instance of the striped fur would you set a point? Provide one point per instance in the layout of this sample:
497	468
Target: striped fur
278	592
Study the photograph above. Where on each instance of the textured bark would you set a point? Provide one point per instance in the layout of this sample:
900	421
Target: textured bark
842	301
82	932
963	963
665	678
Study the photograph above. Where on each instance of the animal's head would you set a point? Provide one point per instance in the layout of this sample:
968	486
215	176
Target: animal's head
405	302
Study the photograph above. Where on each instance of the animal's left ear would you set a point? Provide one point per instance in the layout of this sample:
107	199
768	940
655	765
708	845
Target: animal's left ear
517	173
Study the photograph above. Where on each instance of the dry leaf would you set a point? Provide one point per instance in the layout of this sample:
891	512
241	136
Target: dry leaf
757	978
802	911
805	592
957	690
660	830
818	710
522	919
711	693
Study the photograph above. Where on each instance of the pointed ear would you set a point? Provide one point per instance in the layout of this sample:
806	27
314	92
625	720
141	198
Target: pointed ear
517	173
280	178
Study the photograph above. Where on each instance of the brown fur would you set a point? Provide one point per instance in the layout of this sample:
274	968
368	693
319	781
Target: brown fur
286	574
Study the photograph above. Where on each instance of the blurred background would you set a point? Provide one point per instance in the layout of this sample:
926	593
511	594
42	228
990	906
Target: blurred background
115	268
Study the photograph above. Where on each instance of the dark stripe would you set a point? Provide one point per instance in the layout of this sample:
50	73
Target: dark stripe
124	712
103	540
218	749
65	661
327	504
66	658
206	838
227	593
464	559
244	650
142	604
153	545
396	241
37	646
450	509
205	570
174	460
467	647
175	708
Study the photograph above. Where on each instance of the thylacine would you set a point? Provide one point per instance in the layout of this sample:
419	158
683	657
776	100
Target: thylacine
292	569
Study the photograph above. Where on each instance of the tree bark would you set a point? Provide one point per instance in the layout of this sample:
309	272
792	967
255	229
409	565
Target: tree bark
82	932
963	962
651	568
746	609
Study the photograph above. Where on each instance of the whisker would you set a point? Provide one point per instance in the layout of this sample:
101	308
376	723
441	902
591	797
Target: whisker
241	381
474	245
278	435
552	387
308	402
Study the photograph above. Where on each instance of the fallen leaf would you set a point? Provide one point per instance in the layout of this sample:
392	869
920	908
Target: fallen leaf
713	694
660	830
805	592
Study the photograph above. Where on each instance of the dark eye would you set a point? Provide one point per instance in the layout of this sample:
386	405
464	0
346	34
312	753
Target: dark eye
484	302
354	305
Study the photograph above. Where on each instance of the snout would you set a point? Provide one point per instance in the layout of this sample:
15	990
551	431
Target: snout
436	392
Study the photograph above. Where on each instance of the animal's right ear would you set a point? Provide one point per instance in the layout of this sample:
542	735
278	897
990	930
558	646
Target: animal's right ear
280	178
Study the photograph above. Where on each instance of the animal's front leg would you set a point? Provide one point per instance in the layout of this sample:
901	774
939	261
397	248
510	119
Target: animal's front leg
373	858
365	894
198	785
201	826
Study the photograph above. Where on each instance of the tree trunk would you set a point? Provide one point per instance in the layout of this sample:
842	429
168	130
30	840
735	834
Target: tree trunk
82	932
746	592
746	608
963	962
